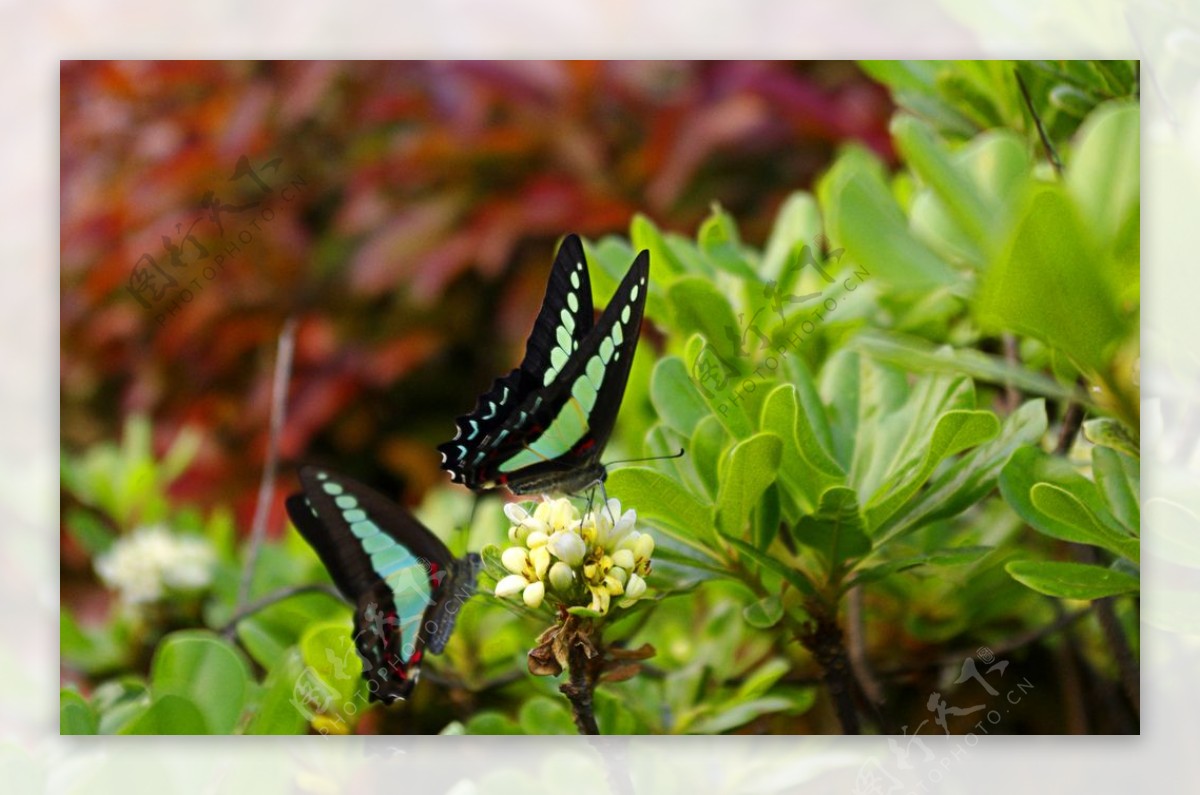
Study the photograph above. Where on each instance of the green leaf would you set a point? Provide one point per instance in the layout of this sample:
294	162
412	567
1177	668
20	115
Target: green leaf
699	306
929	159
862	216
954	432
739	713
1051	255
268	634
1119	479
278	712
954	556
675	397
172	714
665	504
766	517
493	565
1104	175
797	222
804	466
752	467
75	714
835	532
911	353
1071	580
1111	433
1068	505
763	677
645	235
542	715
119	703
708	441
1064	507
719	240
967	480
765	613
205	669
328	649
491	722
763	559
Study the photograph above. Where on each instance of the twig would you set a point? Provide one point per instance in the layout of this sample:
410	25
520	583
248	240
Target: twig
272	598
1049	147
857	644
1127	666
266	487
1012	395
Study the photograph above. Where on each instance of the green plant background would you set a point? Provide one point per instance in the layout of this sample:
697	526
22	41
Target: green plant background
890	454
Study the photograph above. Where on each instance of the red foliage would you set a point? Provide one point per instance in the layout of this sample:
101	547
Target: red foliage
408	222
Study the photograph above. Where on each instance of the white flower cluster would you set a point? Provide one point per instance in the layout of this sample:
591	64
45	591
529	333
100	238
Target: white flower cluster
584	562
152	561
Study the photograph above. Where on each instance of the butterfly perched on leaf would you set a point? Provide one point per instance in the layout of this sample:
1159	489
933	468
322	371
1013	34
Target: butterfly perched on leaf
542	427
406	586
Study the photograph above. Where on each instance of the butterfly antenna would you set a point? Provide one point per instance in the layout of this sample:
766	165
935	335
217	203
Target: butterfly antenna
680	454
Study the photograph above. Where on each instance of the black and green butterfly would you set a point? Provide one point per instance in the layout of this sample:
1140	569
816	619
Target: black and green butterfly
406	586
542	427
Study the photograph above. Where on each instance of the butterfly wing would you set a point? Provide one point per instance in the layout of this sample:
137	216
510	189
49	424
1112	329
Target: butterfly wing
553	438
564	320
389	565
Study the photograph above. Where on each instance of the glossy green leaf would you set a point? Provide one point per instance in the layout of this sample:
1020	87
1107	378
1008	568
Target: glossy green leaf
954	432
173	714
804	465
765	613
542	715
930	159
753	465
863	217
708	442
206	670
327	649
836	531
1068	505
797	222
75	714
1051	255
666	505
719	240
279	708
1107	432
954	556
1071	580
1066	508
1104	175
1119	479
796	578
675	397
967	480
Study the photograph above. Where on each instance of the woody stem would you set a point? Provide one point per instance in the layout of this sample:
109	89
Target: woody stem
579	687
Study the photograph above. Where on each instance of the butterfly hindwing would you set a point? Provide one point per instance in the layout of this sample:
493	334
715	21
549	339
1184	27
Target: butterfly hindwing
399	576
550	436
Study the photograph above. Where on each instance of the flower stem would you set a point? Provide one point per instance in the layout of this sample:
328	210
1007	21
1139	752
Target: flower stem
579	687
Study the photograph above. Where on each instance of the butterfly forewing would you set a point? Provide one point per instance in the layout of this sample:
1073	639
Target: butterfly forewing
565	318
550	435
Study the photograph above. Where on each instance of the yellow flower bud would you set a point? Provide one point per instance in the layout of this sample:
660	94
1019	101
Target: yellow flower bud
534	593
623	558
511	585
540	558
536	539
515	559
561	576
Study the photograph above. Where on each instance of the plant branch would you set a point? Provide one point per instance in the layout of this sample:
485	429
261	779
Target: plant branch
266	487
580	686
823	638
273	598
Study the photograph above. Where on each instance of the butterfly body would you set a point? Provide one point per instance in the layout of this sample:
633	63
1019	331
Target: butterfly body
543	427
405	584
